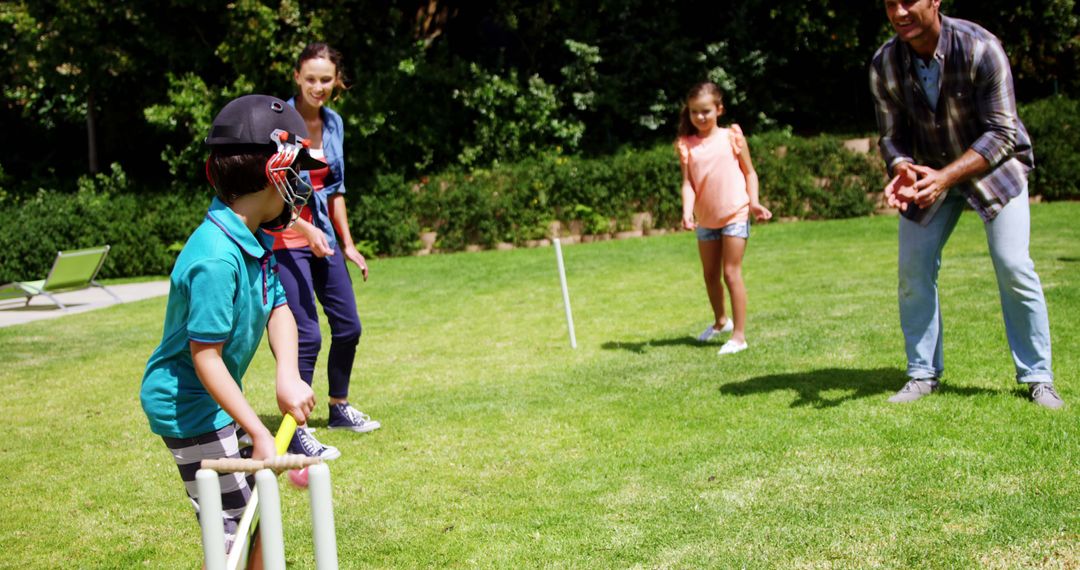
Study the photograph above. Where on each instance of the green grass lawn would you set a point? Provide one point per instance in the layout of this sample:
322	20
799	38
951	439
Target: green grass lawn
502	447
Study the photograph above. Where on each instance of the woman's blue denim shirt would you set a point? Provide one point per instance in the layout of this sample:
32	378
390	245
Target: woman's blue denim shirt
333	138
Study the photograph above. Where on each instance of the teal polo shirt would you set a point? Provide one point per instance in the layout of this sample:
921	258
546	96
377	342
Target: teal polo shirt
222	289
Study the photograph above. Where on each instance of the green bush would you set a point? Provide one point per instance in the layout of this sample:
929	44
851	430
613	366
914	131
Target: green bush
517	202
383	217
5	194
462	209
593	222
512	118
104	210
1054	126
814	178
615	187
513	202
653	181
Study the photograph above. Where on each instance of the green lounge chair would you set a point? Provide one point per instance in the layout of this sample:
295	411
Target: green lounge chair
72	270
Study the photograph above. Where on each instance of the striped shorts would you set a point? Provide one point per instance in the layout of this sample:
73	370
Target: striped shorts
235	487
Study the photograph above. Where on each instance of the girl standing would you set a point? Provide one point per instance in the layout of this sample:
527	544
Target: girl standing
719	192
313	252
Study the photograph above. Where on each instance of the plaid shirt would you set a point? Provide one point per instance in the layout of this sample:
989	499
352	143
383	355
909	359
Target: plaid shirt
976	110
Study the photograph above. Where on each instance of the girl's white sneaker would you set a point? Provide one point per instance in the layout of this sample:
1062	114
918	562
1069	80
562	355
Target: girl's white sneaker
711	332
731	347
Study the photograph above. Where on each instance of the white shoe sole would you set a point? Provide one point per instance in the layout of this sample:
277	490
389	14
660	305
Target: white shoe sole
712	332
367	427
331	453
731	347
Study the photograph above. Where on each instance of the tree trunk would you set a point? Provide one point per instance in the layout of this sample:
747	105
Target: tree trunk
91	133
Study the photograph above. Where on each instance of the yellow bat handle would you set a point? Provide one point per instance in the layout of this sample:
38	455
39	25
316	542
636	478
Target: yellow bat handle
284	434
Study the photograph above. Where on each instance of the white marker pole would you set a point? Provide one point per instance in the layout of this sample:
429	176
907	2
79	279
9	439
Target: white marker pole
565	294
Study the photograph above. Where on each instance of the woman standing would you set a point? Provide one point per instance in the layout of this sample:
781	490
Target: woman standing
313	252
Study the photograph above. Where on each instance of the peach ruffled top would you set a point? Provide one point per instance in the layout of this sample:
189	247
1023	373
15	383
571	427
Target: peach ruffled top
712	165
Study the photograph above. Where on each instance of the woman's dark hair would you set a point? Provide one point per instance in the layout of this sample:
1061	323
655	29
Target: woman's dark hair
686	127
320	49
238	174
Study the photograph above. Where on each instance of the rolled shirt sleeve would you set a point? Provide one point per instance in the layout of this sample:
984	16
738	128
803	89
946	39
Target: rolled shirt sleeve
891	120
996	104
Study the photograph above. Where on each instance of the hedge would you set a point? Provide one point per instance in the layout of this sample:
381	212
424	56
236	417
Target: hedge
1054	126
146	231
815	178
516	203
808	178
512	203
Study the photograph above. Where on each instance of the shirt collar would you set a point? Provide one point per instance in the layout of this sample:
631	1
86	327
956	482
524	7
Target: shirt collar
228	222
944	39
943	43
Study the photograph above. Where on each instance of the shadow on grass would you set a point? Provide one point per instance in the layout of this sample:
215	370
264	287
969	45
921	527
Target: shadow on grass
21	308
814	387
639	347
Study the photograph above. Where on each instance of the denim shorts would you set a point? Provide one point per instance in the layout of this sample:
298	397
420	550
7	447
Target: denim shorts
738	229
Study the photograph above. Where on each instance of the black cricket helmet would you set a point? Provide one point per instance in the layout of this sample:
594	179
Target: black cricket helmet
261	123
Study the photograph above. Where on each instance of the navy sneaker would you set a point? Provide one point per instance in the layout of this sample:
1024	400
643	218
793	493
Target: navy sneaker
344	416
303	443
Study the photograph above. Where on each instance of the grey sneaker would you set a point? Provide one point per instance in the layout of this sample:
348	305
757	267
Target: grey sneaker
913	390
1043	394
303	443
344	416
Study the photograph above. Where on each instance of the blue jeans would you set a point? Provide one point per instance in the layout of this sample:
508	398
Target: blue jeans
1027	325
304	278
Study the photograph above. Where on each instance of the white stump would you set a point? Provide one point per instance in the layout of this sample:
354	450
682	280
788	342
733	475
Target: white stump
322	517
213	530
270	526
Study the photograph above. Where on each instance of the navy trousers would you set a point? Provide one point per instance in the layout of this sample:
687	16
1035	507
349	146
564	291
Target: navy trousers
306	277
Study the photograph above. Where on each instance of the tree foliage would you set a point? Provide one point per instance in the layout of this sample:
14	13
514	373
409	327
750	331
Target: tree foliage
448	83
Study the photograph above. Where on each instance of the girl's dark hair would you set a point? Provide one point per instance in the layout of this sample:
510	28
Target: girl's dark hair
686	127
238	174
320	49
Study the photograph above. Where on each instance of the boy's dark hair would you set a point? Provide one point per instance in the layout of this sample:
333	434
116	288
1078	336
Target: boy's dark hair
237	174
